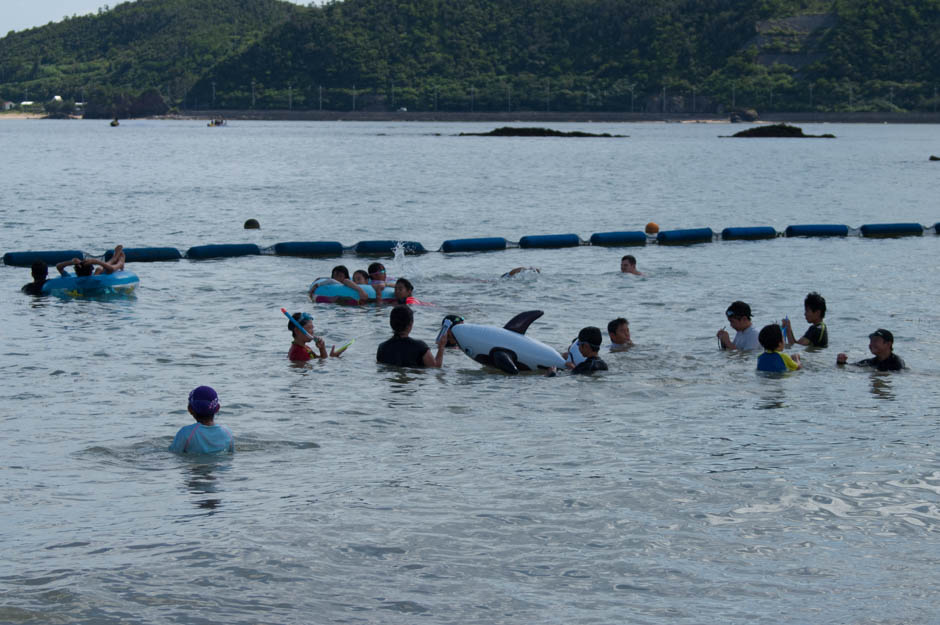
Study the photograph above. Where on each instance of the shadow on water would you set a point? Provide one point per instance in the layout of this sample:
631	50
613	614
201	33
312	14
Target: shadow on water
881	386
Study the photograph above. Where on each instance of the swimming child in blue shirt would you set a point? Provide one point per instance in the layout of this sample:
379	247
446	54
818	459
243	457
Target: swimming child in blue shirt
204	436
773	359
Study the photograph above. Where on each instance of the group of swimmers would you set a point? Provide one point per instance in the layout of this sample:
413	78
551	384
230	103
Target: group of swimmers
582	356
81	267
775	337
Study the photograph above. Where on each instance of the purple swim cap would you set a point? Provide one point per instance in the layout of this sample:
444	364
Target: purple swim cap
204	401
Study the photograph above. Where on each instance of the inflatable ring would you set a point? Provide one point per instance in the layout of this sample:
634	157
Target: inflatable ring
329	291
121	283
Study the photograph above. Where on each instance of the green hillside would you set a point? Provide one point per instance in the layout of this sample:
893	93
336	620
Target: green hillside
572	55
148	44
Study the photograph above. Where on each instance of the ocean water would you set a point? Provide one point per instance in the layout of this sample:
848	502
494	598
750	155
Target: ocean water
679	487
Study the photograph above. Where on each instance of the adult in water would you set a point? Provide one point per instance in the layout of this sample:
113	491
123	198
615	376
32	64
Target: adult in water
40	273
402	350
628	265
881	344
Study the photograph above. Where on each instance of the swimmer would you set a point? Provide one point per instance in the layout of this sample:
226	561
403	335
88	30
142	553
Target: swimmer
881	344
299	350
360	276
404	351
773	359
589	346
739	316
378	279
454	320
619	332
517	270
341	274
403	292
40	273
204	436
814	311
628	265
82	268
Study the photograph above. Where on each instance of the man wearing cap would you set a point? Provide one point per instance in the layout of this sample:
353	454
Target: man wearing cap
589	344
739	316
881	344
204	436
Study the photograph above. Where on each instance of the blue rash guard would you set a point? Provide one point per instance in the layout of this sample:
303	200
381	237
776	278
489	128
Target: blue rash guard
777	362
203	439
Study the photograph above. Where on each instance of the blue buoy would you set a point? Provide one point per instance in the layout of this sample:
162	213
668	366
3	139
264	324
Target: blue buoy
892	230
147	254
50	257
817	230
544	241
387	248
748	234
482	244
936	227
685	237
309	248
224	250
618	239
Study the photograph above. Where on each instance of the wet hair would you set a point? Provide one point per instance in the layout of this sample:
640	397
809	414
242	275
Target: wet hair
816	302
400	318
39	270
592	336
375	267
301	318
738	309
770	337
365	275
614	325
342	269
83	269
630	258
406	282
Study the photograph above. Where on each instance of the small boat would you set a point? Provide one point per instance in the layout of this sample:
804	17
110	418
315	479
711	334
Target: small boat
115	122
216	122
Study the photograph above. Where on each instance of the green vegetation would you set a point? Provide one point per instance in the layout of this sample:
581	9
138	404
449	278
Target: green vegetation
486	55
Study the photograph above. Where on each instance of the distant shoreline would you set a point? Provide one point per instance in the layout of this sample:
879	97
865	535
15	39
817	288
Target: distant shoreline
539	117
554	117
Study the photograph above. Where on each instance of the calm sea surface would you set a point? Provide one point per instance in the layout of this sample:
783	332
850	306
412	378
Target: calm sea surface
679	487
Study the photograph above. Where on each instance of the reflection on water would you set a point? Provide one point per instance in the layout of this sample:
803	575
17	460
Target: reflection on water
881	386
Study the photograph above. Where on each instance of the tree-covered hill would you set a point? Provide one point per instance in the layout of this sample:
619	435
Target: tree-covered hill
604	55
134	46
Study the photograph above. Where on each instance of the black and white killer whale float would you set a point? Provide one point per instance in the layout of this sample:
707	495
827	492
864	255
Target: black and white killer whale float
506	348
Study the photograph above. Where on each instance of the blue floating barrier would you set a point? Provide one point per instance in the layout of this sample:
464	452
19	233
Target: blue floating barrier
223	250
892	230
550	241
936	227
817	231
387	248
309	248
748	234
147	254
482	244
616	239
50	257
685	237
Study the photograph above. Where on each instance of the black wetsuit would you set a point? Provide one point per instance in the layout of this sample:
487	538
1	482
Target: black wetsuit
402	351
891	363
817	335
590	365
33	288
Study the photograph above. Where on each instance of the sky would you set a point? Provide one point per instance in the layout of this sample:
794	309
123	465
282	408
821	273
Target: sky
22	14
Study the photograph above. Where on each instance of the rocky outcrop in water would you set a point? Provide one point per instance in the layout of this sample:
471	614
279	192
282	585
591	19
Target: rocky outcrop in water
509	131
780	130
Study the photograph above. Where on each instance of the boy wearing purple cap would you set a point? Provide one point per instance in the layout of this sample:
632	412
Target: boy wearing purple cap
204	436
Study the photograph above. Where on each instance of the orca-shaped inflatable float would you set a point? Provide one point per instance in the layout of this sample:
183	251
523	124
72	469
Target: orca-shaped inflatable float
507	348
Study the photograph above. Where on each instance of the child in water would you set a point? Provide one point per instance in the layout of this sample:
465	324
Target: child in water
299	350
204	436
773	359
